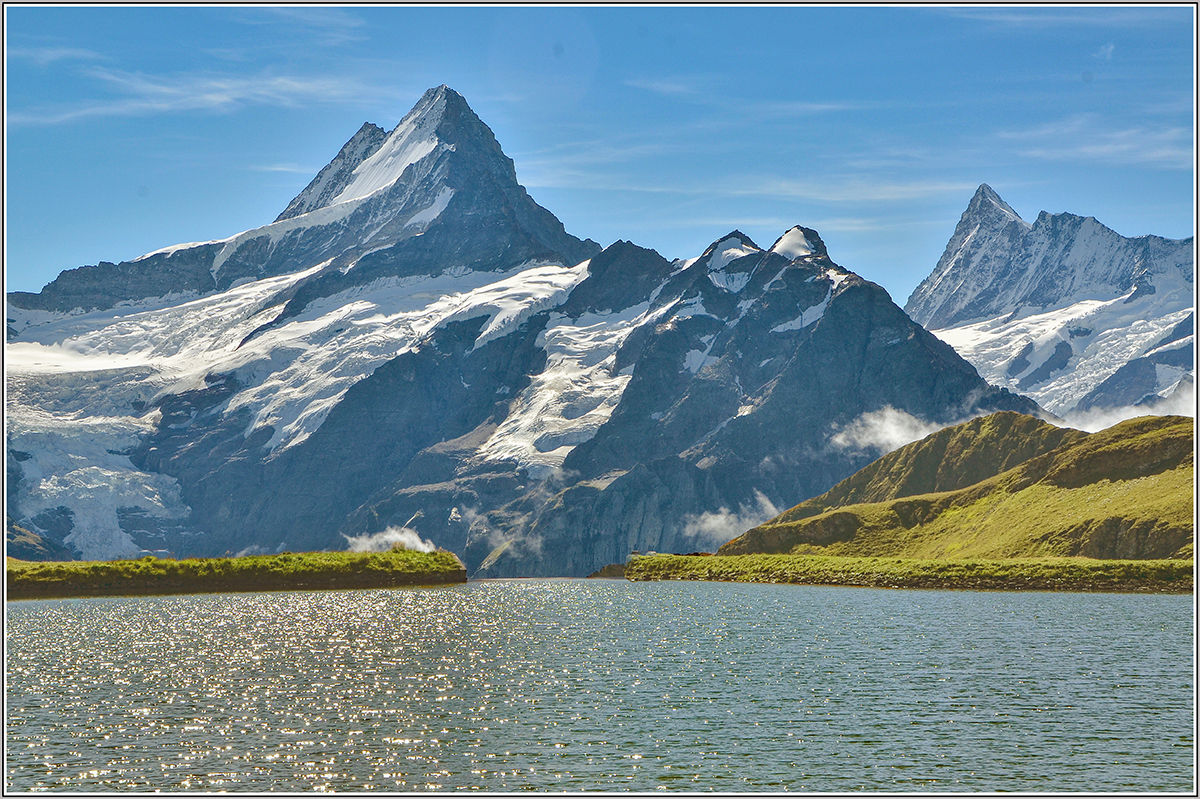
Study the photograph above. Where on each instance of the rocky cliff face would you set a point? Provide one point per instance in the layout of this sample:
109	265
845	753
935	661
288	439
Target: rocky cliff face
1063	309
414	344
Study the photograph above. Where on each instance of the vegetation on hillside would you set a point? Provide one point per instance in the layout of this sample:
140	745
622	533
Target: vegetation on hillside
284	572
1048	574
20	542
950	459
1125	492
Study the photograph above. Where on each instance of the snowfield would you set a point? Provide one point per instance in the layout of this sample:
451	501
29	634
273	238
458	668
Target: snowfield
575	393
1103	335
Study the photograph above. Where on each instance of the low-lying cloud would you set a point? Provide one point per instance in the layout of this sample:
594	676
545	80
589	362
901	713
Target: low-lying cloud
883	430
391	538
1181	403
716	528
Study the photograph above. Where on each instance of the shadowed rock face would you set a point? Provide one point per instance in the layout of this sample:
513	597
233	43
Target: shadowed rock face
477	375
692	451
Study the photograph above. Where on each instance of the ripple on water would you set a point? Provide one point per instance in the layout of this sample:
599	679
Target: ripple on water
573	685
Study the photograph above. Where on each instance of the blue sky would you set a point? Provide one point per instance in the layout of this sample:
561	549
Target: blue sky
130	129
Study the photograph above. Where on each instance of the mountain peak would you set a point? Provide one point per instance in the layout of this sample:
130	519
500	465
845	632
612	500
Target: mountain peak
433	105
730	247
987	201
333	178
798	242
373	159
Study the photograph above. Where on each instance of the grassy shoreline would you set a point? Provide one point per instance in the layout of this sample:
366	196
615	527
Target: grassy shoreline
1030	574
285	572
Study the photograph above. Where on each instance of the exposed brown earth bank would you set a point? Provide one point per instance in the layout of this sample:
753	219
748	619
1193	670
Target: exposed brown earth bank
613	571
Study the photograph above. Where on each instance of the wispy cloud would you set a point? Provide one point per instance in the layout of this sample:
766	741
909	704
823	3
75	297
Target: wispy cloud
139	94
671	87
391	538
1085	137
855	224
1093	17
43	56
884	430
323	26
701	90
304	170
848	189
715	528
788	109
1105	52
1182	402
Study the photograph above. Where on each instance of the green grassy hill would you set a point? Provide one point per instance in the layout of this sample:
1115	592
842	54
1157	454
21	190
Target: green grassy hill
1005	486
283	572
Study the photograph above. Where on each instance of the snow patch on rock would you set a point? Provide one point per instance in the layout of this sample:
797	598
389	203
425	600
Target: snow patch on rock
793	245
574	395
727	250
1102	335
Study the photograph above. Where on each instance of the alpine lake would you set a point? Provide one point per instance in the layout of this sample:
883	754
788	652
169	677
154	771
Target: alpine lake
608	685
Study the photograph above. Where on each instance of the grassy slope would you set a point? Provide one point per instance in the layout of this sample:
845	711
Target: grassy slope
28	545
313	570
1126	492
1059	574
950	459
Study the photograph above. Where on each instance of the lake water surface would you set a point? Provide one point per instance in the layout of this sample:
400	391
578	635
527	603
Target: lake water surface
603	685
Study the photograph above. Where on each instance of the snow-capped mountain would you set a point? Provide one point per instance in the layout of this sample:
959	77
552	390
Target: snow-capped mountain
434	194
1064	310
415	343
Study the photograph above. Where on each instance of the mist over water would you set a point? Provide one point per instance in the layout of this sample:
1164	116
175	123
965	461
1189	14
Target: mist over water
603	685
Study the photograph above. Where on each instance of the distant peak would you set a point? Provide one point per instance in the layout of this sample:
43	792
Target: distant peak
729	247
987	200
334	176
987	192
375	159
438	102
742	237
797	242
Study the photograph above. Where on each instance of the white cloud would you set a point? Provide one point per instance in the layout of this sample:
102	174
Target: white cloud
666	86
714	529
328	27
884	430
852	190
145	95
303	170
1121	18
1105	52
1086	137
393	537
1181	403
42	56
